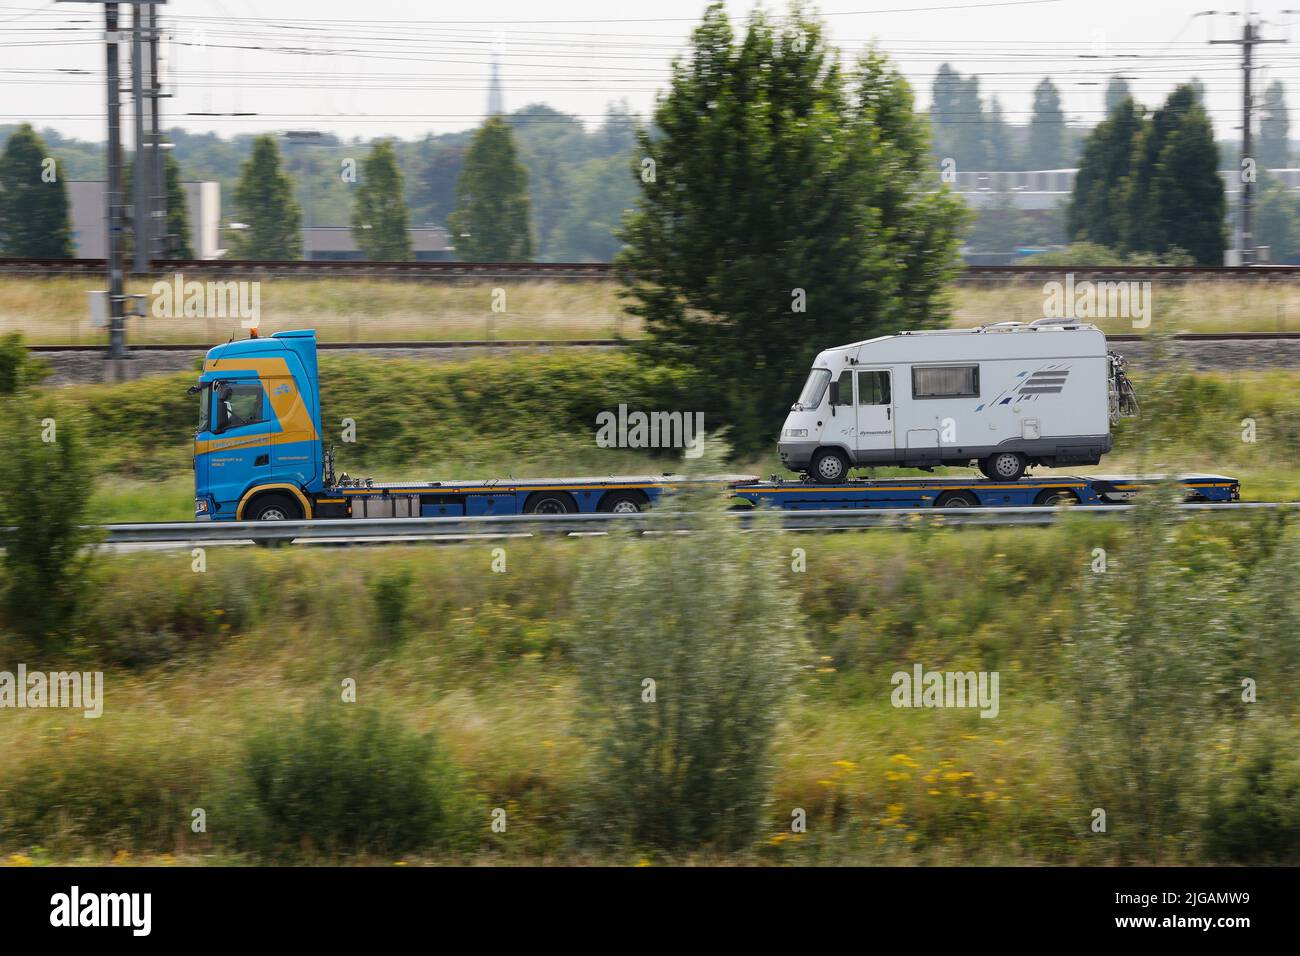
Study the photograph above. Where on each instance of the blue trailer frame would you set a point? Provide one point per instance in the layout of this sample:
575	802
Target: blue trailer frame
805	495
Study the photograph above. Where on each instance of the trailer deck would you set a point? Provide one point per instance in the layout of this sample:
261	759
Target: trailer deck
954	492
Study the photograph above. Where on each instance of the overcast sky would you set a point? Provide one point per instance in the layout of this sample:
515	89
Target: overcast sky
409	68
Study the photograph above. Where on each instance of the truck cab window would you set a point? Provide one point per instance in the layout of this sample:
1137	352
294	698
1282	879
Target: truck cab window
205	408
238	404
873	388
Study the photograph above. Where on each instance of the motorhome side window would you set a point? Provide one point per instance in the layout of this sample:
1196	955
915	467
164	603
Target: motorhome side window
946	381
873	388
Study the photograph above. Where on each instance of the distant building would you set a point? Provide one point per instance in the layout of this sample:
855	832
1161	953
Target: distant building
88	212
335	243
1028	189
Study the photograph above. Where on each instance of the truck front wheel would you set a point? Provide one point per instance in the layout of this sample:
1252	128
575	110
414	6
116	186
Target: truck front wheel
273	508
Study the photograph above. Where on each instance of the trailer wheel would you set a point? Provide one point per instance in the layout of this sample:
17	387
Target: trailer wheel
1056	496
957	499
829	465
623	502
550	503
1003	466
273	508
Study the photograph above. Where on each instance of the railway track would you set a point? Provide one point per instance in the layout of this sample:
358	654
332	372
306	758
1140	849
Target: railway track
396	530
439	271
1225	337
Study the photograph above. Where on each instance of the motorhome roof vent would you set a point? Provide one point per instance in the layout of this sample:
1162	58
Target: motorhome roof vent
1069	323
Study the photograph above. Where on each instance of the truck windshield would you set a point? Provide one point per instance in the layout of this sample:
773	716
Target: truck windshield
205	408
814	388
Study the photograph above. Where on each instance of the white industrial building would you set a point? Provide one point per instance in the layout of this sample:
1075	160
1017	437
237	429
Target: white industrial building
88	212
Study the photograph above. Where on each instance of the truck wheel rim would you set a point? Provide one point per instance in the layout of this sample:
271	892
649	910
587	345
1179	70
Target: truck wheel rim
625	508
272	514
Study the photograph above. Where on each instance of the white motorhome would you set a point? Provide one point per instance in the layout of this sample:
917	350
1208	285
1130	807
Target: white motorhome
1004	396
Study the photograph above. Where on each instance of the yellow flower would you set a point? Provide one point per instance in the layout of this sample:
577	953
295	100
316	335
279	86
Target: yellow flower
895	776
643	862
894	809
846	765
904	759
121	856
826	783
934	792
18	859
969	737
911	838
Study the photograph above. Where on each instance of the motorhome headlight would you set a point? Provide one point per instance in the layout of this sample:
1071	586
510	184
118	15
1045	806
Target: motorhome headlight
795	433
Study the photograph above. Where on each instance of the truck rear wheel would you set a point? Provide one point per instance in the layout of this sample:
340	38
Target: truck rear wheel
273	508
550	503
1056	496
829	466
623	502
1003	466
957	499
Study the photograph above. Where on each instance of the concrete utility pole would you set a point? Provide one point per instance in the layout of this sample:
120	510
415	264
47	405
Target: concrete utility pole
1249	39
113	252
142	168
113	193
158	207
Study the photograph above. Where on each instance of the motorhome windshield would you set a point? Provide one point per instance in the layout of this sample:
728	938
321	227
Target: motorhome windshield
814	388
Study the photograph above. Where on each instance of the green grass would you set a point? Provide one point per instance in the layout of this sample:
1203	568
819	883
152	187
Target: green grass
488	665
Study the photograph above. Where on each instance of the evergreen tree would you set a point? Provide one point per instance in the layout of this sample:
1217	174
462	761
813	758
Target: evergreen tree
784	207
33	200
1188	192
177	244
490	223
999	150
1273	150
1151	186
1096	209
264	203
1046	146
381	223
1117	91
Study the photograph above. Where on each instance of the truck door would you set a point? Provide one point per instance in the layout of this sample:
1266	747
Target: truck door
238	449
875	410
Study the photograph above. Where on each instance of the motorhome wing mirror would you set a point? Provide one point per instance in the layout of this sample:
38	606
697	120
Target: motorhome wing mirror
835	394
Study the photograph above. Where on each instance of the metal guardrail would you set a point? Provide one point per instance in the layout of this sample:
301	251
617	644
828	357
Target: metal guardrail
389	529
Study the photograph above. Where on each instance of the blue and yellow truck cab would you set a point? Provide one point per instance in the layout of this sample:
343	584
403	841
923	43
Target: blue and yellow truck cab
259	454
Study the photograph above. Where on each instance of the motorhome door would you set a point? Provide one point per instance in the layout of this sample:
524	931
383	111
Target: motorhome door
875	410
